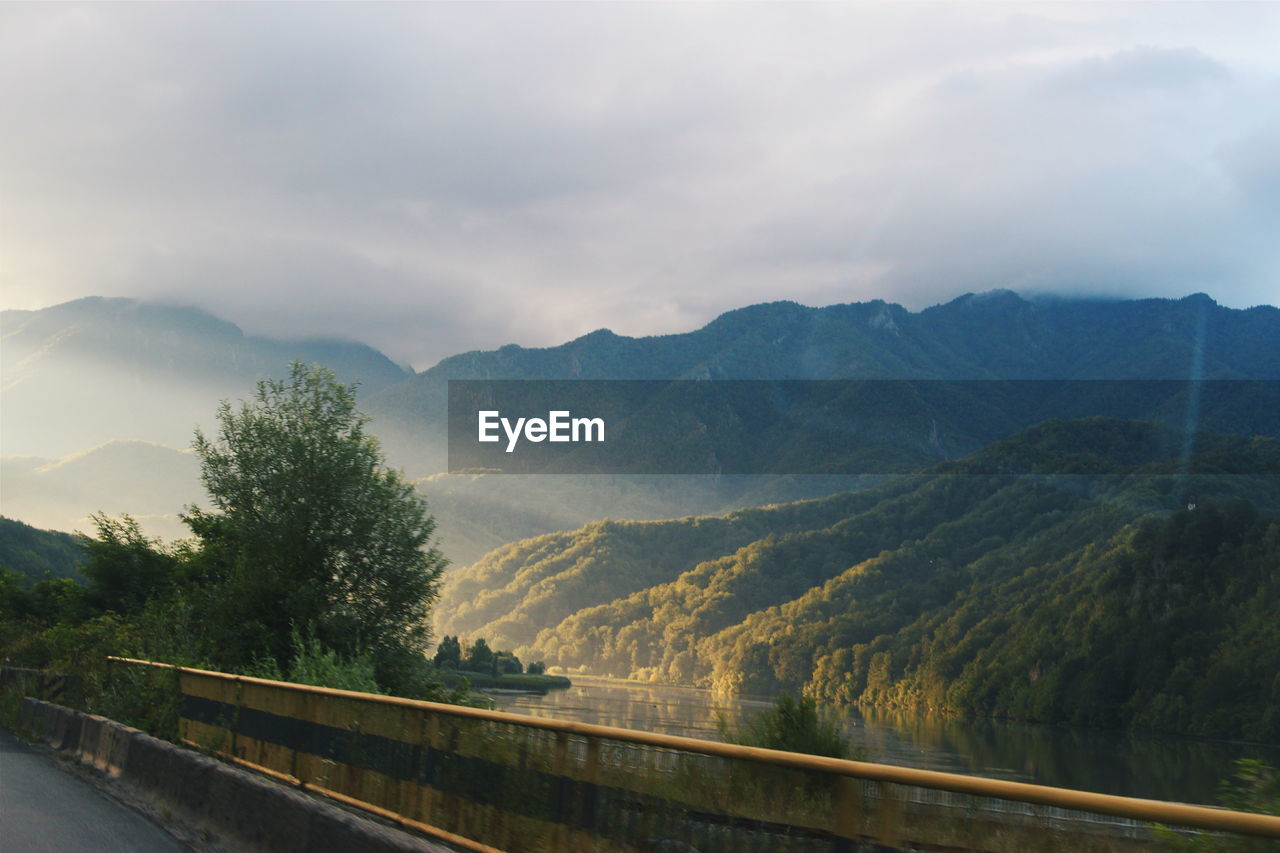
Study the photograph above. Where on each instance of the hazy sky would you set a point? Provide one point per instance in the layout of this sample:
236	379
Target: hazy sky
436	178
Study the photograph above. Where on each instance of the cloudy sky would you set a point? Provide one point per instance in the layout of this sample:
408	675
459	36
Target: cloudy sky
432	178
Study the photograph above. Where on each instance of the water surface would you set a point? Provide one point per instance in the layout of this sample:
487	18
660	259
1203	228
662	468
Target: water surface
1166	768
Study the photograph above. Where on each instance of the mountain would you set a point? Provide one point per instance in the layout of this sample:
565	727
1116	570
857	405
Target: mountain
996	335
150	482
965	589
79	375
35	553
94	370
985	336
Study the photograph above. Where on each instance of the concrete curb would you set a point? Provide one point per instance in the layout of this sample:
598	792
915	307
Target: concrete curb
229	805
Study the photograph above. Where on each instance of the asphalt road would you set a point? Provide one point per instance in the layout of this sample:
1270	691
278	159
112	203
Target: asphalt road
45	808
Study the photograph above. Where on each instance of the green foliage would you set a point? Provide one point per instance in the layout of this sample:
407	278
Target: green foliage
312	533
42	603
1096	600
310	538
507	663
791	724
448	653
1254	788
125	568
479	657
35	553
522	588
142	697
486	667
314	663
73	648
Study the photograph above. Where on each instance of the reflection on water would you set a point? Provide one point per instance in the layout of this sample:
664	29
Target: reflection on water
1167	768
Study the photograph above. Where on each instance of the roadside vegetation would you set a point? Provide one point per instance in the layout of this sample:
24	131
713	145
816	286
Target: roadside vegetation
314	563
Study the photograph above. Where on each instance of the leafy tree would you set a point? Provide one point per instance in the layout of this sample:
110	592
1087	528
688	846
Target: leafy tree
506	663
312	533
449	653
15	599
479	657
45	602
536	667
125	568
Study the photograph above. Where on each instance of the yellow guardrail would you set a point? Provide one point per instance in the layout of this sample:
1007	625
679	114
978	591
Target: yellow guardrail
489	780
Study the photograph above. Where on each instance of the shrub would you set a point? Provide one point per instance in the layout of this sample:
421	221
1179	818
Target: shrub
793	725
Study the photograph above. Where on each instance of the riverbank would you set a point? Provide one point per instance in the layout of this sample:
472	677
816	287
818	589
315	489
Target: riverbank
1128	764
508	682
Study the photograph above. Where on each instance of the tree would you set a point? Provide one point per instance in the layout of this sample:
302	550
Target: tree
312	534
125	568
479	657
506	663
449	653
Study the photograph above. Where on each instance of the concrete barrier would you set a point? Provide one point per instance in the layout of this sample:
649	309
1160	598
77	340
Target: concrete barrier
232	806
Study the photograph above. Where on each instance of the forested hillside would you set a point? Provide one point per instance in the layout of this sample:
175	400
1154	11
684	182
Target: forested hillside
524	586
33	553
979	587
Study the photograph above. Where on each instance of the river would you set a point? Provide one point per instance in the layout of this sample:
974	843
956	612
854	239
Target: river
1165	768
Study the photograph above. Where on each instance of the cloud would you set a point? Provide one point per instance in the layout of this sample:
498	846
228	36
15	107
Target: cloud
439	177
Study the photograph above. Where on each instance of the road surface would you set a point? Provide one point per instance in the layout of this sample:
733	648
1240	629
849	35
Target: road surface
45	809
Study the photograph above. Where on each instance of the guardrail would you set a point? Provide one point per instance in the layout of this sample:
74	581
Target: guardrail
226	807
488	780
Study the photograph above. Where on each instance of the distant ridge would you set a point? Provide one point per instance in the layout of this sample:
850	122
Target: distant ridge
85	372
994	335
79	375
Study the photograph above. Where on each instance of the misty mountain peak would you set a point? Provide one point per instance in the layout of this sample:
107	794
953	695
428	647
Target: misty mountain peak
144	370
1001	298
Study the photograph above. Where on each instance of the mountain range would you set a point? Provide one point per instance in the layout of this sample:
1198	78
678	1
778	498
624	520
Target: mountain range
1098	570
78	378
995	335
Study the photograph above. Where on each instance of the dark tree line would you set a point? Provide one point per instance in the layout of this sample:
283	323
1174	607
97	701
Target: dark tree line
452	654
